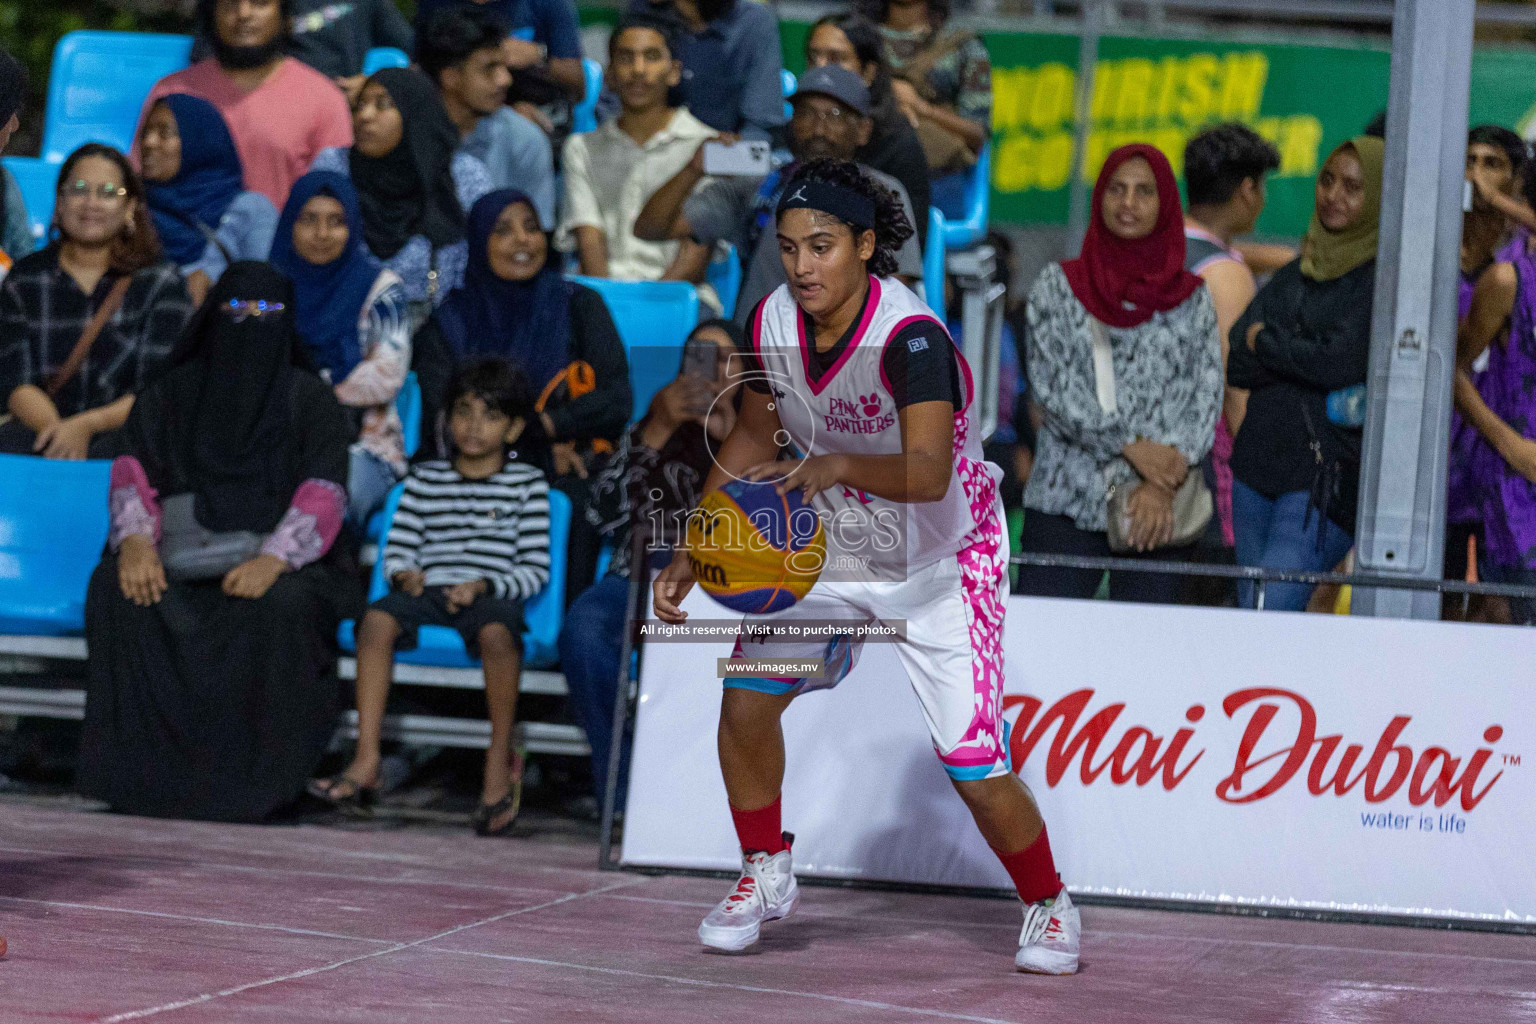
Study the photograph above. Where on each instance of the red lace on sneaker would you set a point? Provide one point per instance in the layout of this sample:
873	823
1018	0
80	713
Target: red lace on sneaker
746	886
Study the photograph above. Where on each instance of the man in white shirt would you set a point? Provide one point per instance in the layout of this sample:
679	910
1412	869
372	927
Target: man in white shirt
611	172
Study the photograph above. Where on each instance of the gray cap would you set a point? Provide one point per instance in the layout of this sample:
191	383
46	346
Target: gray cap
837	82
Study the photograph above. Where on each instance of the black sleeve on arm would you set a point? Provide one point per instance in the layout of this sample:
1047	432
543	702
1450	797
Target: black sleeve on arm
604	410
1243	367
1325	356
919	361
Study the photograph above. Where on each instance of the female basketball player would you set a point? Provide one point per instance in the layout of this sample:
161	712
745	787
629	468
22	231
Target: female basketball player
856	372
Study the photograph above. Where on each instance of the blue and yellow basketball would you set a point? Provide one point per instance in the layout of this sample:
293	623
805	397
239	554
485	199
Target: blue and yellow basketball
753	549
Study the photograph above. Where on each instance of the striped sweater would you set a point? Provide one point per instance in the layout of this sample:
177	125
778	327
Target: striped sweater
456	530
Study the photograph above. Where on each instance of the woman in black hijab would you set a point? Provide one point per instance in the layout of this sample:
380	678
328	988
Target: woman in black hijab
210	688
413	185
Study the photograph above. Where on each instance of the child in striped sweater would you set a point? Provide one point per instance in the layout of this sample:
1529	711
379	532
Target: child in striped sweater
468	546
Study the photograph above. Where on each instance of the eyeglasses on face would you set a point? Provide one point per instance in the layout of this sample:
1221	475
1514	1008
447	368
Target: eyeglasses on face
239	310
107	191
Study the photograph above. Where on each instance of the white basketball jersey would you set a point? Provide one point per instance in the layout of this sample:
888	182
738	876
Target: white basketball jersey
851	411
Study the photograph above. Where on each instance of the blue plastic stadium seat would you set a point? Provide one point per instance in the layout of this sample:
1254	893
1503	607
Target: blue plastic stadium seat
38	181
584	114
408	408
98	84
958	234
653	318
441	647
724	275
945	234
53	524
381	57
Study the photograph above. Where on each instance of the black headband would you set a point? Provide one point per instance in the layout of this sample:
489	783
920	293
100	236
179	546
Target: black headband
843	203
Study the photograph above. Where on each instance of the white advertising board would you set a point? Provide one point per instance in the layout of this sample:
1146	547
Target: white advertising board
1302	761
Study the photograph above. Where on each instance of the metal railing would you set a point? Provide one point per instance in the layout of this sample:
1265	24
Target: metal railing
1260	577
1359	12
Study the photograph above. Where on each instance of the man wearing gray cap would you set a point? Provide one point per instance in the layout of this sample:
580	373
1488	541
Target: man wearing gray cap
15	232
831	120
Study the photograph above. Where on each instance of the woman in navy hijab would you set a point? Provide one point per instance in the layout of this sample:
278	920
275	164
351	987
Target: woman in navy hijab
516	304
352	316
196	191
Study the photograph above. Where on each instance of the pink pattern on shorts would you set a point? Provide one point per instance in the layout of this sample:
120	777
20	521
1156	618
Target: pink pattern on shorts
983	570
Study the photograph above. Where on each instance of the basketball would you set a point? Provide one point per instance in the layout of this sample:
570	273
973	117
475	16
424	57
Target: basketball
753	549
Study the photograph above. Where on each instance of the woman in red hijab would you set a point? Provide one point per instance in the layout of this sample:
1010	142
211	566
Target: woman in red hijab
1125	363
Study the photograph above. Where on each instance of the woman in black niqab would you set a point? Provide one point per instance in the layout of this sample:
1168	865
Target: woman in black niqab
201	702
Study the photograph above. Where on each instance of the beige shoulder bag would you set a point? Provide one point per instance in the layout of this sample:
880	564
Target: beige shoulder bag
1192	502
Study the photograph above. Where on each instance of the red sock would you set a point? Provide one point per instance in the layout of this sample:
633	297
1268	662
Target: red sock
1032	870
761	831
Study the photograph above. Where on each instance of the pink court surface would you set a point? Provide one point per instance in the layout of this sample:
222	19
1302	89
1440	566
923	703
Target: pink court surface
117	919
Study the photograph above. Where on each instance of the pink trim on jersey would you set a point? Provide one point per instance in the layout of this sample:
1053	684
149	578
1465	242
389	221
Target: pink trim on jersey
983	570
870	305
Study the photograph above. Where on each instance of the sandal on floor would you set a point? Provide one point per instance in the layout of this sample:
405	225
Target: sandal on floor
356	798
511	803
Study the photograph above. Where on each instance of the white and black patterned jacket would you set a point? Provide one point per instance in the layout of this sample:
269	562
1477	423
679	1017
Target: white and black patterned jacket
1168	389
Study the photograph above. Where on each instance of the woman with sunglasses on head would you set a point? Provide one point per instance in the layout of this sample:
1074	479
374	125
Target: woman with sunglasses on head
212	617
90	319
847	366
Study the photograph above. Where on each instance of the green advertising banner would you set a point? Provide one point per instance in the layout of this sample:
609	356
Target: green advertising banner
1304	99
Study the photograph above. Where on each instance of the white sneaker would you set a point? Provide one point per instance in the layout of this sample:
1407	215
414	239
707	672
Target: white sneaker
1049	942
766	891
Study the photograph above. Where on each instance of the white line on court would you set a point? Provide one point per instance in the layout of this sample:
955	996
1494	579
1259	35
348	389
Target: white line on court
208	997
756	989
254	869
195	920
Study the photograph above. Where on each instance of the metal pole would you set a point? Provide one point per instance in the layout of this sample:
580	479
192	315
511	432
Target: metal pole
1087	61
634	614
1401	527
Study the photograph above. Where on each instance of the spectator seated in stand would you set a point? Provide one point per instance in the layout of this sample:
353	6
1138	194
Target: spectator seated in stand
516	305
15	230
943	83
831	121
733	64
281	112
334	38
541	46
655	478
461	51
210	687
1224	169
1499	405
351	314
468	548
852	42
1130	289
1296	474
196	189
106	256
611	172
413	185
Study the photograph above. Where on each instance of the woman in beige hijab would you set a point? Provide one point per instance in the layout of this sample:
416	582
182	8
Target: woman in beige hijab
1296	474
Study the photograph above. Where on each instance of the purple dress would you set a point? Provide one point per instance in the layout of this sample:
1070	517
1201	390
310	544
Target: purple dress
1461	504
1505	500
